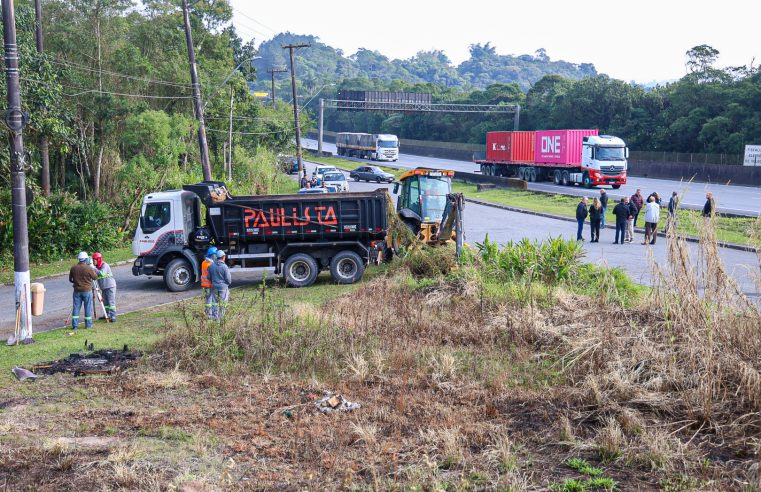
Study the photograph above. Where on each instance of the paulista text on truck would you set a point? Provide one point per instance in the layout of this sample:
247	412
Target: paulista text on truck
295	236
564	156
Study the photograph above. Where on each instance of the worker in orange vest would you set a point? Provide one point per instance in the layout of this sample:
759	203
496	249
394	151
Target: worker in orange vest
208	295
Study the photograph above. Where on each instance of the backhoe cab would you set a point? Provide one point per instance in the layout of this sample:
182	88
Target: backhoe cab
428	207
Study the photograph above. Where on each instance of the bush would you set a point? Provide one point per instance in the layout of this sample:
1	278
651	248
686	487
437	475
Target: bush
60	226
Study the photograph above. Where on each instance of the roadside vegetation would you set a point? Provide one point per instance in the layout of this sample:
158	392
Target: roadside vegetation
516	368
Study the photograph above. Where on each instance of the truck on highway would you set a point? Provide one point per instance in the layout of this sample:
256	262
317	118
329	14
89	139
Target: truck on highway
378	147
295	235
565	157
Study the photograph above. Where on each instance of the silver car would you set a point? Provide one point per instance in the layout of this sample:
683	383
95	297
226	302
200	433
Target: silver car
337	179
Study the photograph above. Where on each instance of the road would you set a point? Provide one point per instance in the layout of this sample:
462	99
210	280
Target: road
139	292
740	200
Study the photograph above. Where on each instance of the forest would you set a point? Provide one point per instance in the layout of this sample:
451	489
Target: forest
111	94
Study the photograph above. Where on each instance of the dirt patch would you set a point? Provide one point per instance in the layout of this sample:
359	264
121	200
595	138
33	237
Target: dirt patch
107	361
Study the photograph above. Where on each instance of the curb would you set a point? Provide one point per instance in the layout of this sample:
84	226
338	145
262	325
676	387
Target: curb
691	239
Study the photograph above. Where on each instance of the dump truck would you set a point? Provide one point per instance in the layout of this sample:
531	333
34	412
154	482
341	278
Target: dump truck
565	157
378	147
294	236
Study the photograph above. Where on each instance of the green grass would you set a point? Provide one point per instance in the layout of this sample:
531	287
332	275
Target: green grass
139	330
62	265
729	229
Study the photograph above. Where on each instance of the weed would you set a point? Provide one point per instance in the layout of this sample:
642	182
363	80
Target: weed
582	466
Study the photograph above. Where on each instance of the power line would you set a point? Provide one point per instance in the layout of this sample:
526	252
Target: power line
250	133
117	74
97	91
254	20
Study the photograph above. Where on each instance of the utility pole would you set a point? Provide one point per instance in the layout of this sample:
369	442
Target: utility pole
272	72
44	154
197	103
15	120
297	124
230	140
320	127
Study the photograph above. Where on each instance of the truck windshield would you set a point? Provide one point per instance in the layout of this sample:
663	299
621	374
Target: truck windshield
610	154
156	216
388	144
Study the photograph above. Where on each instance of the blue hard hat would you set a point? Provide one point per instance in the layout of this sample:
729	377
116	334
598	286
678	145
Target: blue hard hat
211	251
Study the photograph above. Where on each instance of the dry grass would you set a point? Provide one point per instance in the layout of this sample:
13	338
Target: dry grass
464	384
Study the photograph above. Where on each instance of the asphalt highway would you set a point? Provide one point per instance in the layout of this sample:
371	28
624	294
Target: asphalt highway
732	199
134	293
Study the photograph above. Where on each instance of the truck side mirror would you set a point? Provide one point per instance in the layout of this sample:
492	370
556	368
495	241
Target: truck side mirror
396	188
626	152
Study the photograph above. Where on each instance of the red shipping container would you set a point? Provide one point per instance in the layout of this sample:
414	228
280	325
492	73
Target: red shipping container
522	148
510	146
561	147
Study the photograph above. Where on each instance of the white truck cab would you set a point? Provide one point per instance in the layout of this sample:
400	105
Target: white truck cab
603	161
386	148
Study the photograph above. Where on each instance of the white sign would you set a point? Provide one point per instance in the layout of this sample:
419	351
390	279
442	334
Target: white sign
752	155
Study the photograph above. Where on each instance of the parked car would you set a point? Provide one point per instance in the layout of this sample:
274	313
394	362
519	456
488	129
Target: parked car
371	173
312	191
320	170
289	163
337	179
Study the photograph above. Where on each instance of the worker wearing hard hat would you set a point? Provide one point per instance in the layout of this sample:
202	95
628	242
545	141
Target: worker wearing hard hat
82	275
219	274
208	295
107	285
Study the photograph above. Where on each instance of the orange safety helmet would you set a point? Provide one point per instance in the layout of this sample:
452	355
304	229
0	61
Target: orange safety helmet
97	258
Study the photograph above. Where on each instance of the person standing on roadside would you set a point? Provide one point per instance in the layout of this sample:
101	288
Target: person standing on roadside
604	204
710	206
595	216
621	212
581	216
81	276
208	298
107	285
673	207
304	180
633	211
652	216
638	202
219	274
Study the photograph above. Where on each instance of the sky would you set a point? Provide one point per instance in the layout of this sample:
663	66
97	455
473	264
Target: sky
642	41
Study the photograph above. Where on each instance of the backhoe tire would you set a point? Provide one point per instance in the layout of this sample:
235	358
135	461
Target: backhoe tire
300	270
178	275
347	267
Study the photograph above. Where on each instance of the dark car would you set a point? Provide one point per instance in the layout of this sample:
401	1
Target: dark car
289	163
371	173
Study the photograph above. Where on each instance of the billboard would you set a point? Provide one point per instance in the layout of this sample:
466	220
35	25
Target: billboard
752	155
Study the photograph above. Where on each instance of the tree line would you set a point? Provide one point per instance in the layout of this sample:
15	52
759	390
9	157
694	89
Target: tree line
112	93
708	110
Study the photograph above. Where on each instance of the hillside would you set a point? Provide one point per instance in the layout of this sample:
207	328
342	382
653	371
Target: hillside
321	64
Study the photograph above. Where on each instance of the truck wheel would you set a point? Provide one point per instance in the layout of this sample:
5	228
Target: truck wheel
532	174
347	267
586	180
557	177
300	270
565	178
521	173
178	275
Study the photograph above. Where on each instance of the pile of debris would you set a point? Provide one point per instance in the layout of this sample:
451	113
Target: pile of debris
107	361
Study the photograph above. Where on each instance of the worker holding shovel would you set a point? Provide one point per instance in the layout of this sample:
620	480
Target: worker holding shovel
107	285
82	275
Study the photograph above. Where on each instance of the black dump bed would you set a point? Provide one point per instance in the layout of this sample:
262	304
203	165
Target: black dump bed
293	218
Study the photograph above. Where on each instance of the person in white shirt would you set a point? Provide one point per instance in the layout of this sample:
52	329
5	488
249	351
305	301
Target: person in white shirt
652	215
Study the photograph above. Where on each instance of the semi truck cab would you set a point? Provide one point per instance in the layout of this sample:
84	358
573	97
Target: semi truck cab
603	161
386	148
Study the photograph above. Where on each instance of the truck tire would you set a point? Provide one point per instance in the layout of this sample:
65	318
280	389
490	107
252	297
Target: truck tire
565	178
521	173
347	267
532	174
557	177
178	275
586	180
300	270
